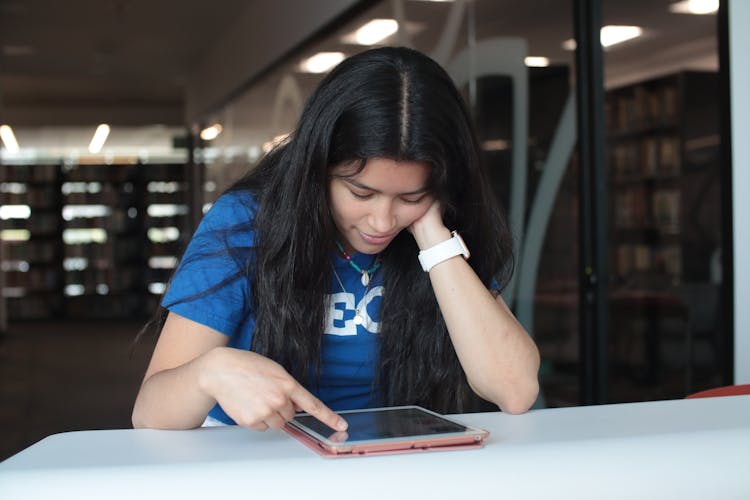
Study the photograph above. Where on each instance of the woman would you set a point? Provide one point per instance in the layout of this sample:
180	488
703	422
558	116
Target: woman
328	278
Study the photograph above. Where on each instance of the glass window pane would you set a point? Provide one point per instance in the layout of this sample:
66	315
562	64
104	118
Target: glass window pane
662	111
525	122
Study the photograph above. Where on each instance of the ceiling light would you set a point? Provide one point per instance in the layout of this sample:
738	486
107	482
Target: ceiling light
212	132
374	31
569	44
496	145
100	137
536	62
700	7
321	62
610	35
9	139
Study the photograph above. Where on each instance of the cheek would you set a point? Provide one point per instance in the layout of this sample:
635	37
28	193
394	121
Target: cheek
344	213
337	204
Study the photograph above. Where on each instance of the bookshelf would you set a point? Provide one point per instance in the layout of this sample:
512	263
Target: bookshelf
168	223
91	241
30	231
103	240
663	137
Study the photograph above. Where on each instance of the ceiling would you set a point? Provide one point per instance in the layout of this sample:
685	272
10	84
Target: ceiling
670	43
136	57
105	52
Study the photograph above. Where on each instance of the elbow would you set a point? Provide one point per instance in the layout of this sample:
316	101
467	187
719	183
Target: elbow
525	390
515	399
141	417
520	395
522	399
137	418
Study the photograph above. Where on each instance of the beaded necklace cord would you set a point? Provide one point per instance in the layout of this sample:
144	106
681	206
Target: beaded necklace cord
366	273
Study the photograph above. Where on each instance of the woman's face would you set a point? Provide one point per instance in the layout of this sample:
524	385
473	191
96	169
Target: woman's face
373	206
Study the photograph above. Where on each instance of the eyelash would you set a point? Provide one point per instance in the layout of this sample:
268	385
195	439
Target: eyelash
414	202
369	195
361	196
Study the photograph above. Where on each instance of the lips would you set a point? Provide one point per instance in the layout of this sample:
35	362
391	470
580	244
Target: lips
376	239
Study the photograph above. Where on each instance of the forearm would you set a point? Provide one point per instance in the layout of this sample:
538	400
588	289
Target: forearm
174	398
499	358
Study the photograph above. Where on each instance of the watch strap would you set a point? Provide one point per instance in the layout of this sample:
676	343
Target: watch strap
444	250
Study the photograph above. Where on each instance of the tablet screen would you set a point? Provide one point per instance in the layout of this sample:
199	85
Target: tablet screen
385	423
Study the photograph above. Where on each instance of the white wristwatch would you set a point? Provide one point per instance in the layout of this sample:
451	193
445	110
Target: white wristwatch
443	251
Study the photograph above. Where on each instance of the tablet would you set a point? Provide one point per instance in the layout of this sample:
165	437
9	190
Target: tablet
386	430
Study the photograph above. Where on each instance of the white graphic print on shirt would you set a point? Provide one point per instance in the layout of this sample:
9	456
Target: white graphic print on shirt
341	310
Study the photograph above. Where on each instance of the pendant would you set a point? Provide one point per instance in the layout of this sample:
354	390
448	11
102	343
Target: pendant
358	320
365	278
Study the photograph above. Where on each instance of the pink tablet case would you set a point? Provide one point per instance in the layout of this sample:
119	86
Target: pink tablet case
314	446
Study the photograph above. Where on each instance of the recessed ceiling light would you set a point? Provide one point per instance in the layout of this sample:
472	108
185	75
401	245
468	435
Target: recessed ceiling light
100	137
536	62
9	138
321	62
372	32
699	7
610	35
212	132
569	44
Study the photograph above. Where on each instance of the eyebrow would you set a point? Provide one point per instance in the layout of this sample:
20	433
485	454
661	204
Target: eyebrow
368	188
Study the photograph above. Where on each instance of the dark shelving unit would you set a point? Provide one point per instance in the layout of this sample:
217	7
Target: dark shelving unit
97	242
664	178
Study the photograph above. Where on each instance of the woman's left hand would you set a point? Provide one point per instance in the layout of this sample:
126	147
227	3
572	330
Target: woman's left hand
429	230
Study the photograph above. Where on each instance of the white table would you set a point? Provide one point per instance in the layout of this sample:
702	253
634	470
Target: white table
684	449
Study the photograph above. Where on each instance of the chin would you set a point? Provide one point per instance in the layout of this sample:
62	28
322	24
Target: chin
370	249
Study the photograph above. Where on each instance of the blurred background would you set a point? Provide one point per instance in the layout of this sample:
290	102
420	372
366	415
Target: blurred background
123	120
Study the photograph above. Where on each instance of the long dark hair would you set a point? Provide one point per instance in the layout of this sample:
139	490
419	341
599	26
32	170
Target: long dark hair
392	103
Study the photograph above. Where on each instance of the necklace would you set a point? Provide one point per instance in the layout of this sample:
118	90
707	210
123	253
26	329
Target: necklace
366	273
358	318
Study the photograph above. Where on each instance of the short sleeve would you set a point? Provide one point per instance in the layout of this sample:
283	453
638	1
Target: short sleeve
210	285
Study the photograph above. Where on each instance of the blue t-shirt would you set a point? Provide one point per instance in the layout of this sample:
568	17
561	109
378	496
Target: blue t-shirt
210	288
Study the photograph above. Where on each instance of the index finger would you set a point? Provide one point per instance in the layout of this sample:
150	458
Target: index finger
315	407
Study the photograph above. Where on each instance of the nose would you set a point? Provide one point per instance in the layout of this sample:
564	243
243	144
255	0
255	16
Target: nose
382	217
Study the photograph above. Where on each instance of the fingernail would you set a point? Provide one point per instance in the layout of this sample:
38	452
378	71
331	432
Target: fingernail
341	424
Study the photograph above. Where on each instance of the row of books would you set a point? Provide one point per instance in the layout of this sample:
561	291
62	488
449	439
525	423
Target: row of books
113	251
29	173
649	157
112	279
36	279
642	107
30	251
642	258
36	196
638	207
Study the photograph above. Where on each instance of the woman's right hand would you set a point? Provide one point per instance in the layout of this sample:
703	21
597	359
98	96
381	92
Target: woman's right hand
192	369
258	393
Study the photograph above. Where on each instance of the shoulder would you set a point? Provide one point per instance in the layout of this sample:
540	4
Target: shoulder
231	210
235	207
228	222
